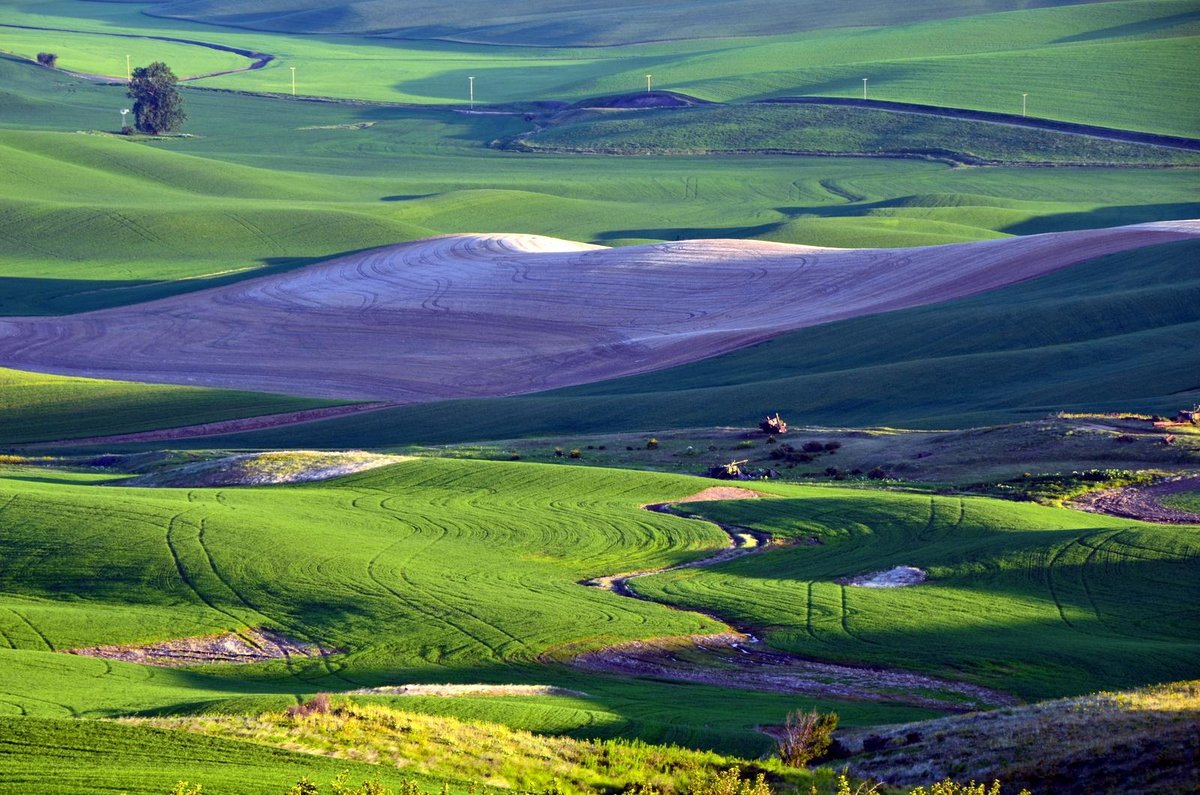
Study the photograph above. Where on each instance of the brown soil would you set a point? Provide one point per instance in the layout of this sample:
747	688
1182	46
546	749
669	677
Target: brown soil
1143	502
720	493
222	427
247	646
734	660
487	315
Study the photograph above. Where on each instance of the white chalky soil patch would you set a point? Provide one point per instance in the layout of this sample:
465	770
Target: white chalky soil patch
899	577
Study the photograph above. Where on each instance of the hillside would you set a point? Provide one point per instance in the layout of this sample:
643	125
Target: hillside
497	315
555	22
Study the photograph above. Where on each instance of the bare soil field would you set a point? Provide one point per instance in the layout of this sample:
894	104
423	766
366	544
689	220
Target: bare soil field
489	315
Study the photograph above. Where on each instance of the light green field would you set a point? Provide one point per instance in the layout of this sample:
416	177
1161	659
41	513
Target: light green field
35	407
90	221
1124	64
104	54
44	755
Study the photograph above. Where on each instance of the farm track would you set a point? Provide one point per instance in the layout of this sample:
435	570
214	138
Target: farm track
442	318
736	659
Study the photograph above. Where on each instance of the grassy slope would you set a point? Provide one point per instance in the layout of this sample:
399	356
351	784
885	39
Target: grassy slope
1184	501
35	407
39	755
1124	64
456	571
1111	334
93	221
1036	600
430	571
813	128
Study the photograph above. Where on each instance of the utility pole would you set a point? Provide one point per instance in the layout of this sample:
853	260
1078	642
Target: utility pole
471	89
293	80
648	83
864	88
1023	105
128	70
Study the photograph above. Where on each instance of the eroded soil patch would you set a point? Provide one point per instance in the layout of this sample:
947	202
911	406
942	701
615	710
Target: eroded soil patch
732	660
1143	502
247	646
898	577
261	469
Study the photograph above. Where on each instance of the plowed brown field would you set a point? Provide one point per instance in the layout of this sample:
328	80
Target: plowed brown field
484	315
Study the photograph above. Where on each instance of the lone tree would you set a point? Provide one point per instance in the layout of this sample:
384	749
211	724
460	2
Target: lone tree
157	106
47	59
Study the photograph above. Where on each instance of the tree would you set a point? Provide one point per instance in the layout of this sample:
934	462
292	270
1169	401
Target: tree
47	59
806	737
157	106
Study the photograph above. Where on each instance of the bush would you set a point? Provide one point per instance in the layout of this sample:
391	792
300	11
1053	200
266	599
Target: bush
877	474
576	453
745	444
873	743
806	737
47	59
558	452
814	447
317	705
831	446
652	444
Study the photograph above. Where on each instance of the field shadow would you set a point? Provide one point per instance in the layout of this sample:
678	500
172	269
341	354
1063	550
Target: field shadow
1117	215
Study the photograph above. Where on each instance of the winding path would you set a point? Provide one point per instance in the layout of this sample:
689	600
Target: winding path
738	660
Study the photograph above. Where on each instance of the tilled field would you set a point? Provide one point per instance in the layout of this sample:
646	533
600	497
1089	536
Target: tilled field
488	315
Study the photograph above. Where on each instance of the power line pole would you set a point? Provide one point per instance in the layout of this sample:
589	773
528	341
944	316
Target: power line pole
128	70
648	83
293	80
864	88
471	89
1023	105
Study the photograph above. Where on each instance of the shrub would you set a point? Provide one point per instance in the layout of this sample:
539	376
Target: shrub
576	453
831	446
806	737
48	59
182	787
813	447
652	444
877	474
1126	439
558	452
515	457
745	444
873	743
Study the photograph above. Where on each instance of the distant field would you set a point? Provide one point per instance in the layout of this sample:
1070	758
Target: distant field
739	129
37	408
1127	63
558	22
